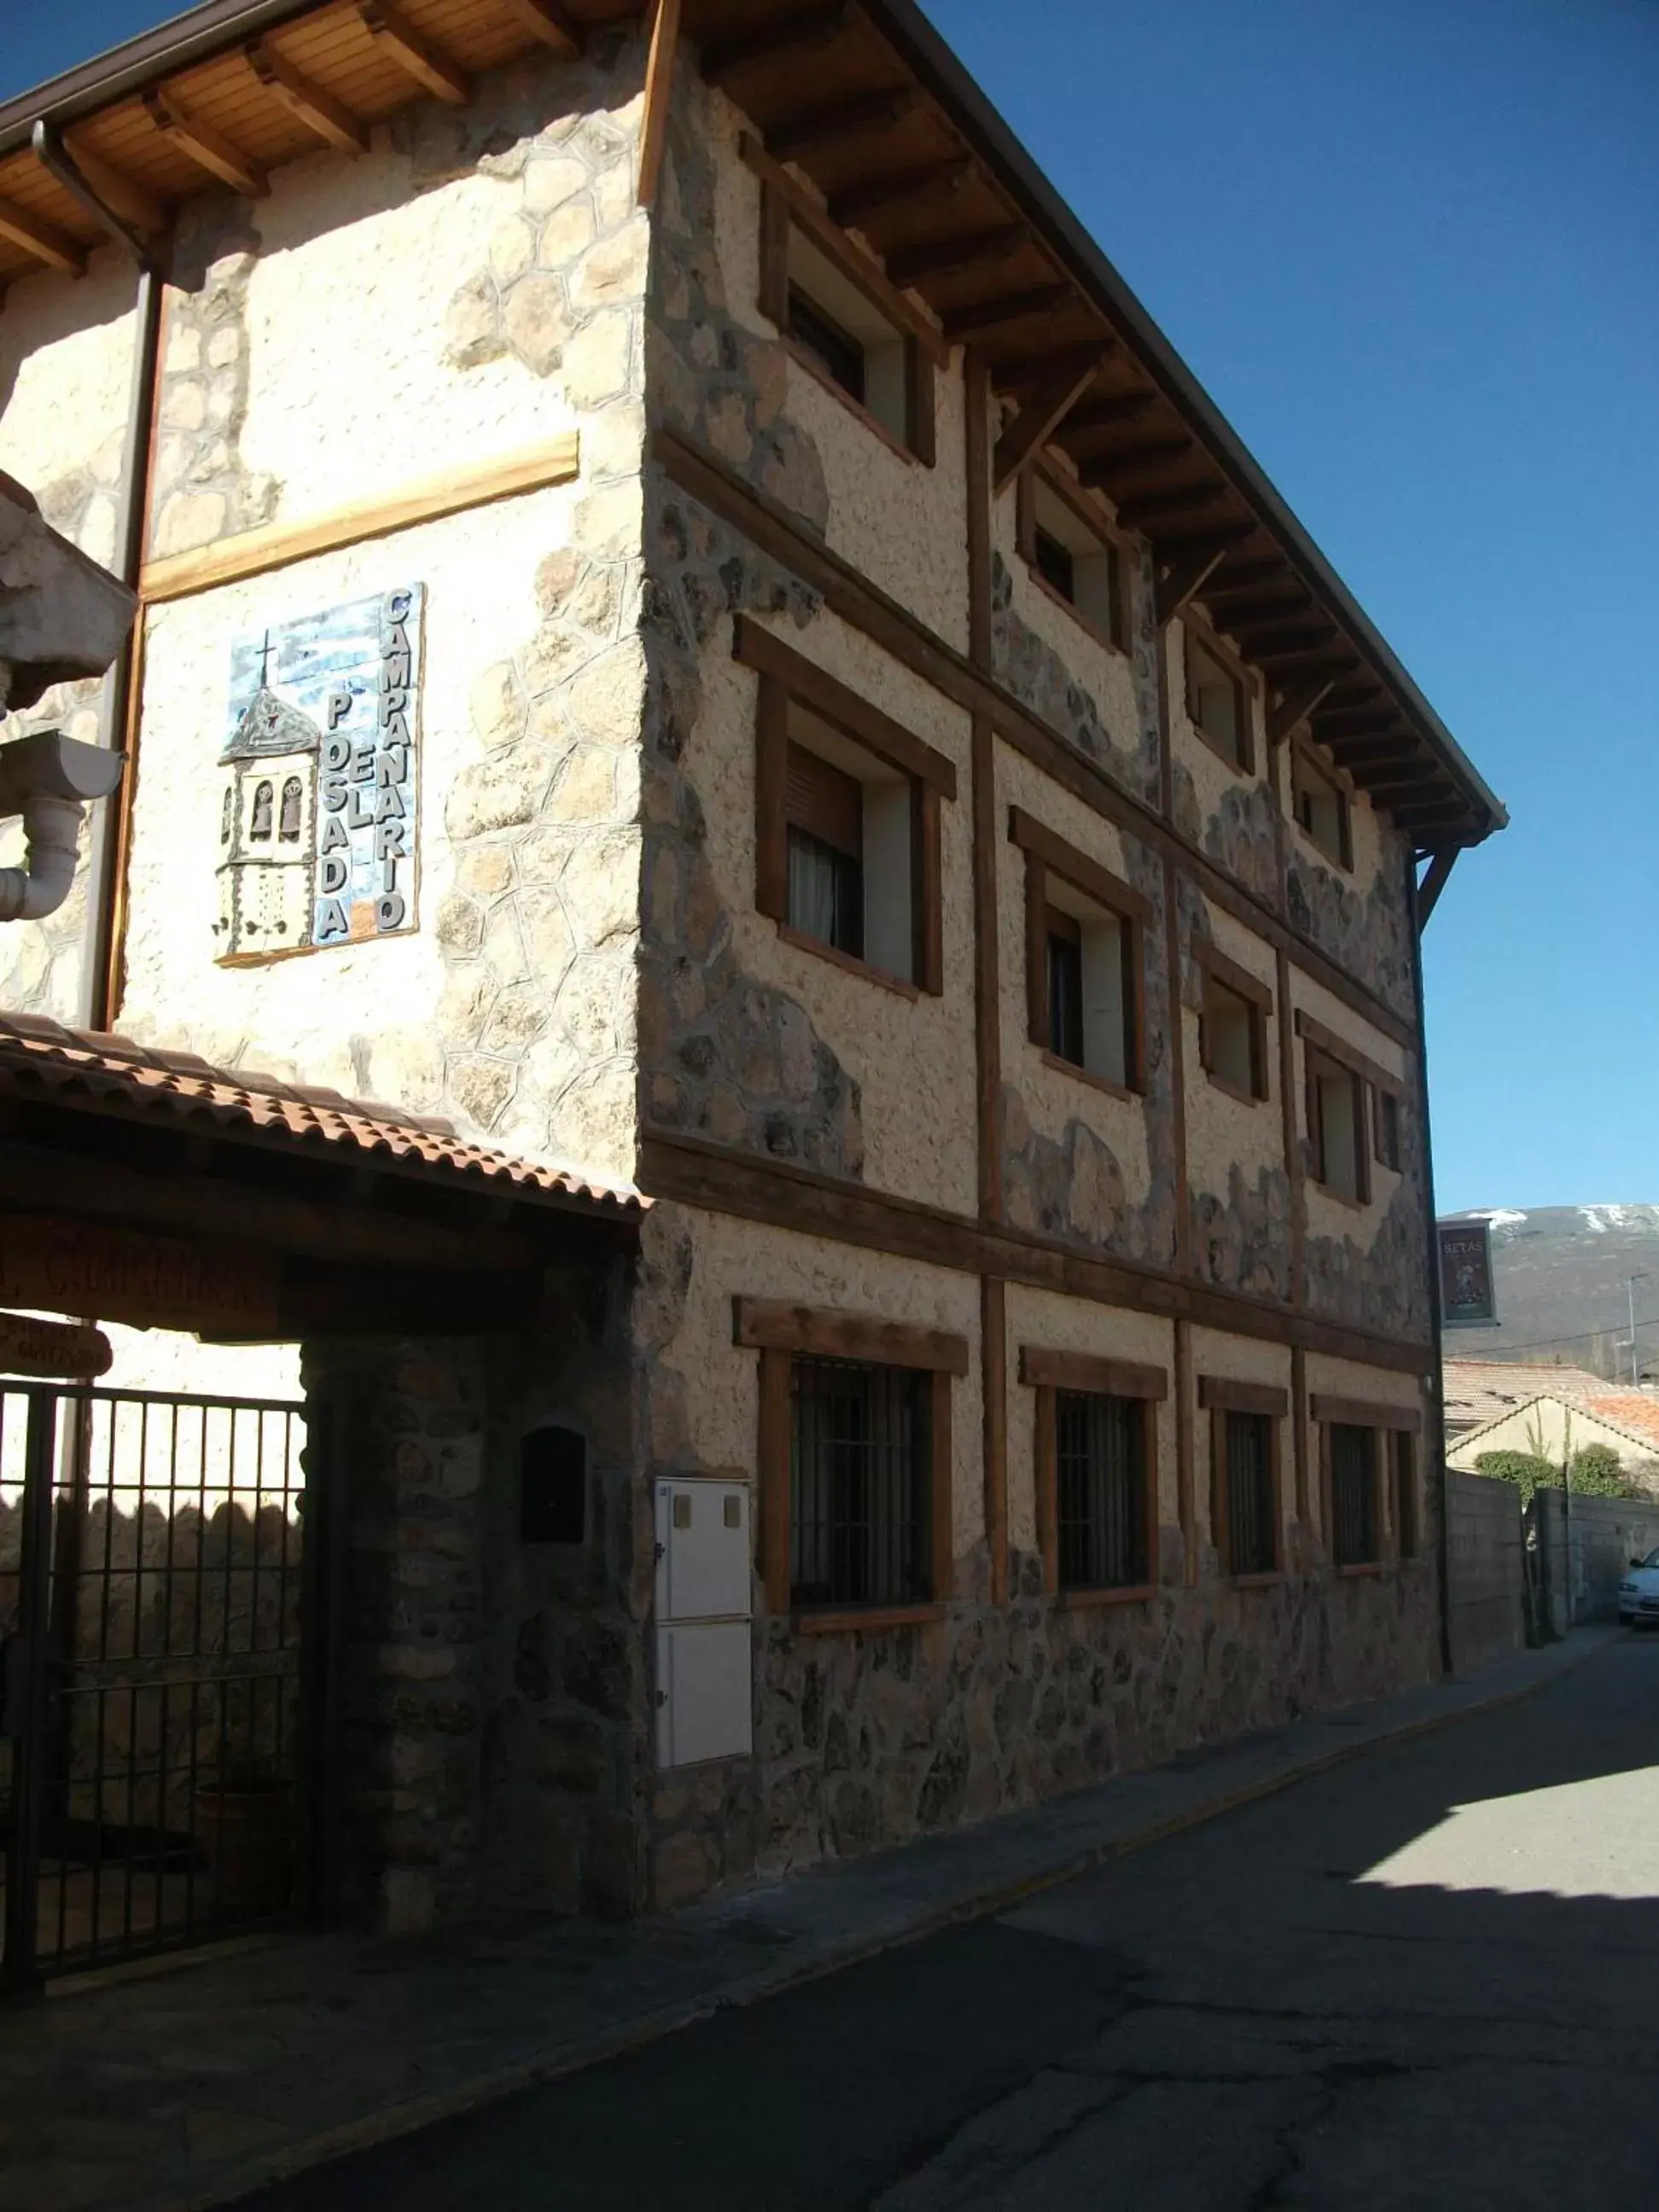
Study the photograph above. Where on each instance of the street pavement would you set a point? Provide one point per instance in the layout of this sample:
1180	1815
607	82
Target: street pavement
1425	1978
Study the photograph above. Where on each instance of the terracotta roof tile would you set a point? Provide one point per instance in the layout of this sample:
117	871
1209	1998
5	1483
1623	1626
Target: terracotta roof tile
1629	1409
40	1057
1479	1390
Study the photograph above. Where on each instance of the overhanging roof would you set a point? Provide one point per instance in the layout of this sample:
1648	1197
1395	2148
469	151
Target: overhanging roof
869	101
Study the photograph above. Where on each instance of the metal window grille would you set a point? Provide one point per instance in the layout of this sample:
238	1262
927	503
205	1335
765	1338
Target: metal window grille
1354	1495
1247	1473
1100	1473
858	1485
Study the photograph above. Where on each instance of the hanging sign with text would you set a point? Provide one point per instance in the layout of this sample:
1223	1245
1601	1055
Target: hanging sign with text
1467	1298
126	1274
43	1349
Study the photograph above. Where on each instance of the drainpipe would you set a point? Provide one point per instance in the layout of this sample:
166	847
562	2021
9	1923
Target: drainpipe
96	999
47	779
1438	1378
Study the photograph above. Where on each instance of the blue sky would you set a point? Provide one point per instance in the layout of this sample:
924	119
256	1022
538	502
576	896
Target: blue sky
1410	249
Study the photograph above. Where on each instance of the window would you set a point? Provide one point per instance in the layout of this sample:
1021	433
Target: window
1244	1506
1073	551
1100	1463
263	798
1321	808
1216	703
854	1460
847	820
1356	1534
1096	1471
1388	1127
839	314
1336	1127
1232	1028
1403	1456
292	810
1084	958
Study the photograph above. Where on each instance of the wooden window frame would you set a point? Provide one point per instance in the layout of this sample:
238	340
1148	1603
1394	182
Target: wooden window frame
1386	1157
787	674
781	1333
1220	1395
1047	1371
1248	684
1048	853
1405	1497
786	204
1355	1568
1302	749
1100	526
1389	1424
1321	1042
1259	998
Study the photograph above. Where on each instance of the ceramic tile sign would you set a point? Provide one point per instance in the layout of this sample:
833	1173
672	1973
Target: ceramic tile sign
318	811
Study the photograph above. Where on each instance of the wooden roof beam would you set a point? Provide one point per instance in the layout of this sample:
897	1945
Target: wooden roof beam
434	72
1178	499
988	317
1134	462
1294	706
900	188
793	37
1341	725
51	247
794	136
122	194
1040	416
205	146
956	257
1181	579
1292	601
1098	417
556	28
1264	641
1432	882
319	110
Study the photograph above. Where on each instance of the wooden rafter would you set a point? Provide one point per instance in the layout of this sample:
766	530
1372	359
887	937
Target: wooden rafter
51	247
318	110
1039	418
1267	640
1295	706
1183	577
1432	882
934	180
956	257
1341	725
991	315
556	28
1249	614
1178	499
658	88
415	55
1331	657
792	38
1107	413
1241	576
1132	461
208	149
794	136
123	195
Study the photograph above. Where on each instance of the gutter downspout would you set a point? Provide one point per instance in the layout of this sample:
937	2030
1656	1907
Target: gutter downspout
106	847
1432	1255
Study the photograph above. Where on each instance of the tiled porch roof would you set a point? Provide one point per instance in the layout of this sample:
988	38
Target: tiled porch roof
40	1059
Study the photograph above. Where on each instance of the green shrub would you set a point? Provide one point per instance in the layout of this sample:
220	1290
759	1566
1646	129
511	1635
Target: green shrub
1597	1472
1529	1471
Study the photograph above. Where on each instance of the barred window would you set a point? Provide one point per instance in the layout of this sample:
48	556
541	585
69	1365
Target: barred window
1101	1480
1247	1483
1355	1536
858	1517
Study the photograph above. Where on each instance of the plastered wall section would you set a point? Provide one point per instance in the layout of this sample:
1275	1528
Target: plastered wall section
1238	1359
1052	1097
718	1381
902	524
913	1058
1060	1324
65	369
1223	1131
1329	1216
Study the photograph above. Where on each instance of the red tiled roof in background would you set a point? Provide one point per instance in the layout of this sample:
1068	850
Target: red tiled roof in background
40	1058
1628	1410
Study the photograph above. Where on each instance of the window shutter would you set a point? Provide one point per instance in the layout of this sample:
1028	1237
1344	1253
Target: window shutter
825	802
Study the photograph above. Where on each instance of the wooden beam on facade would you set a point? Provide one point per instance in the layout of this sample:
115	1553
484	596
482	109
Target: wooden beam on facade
1039	417
1295	705
415	55
1107	410
1099	469
1181	580
319	110
206	147
895	188
1432	882
122	194
553	25
1243	614
793	37
1179	499
1338	723
992	315
794	136
1267	640
658	88
51	247
958	256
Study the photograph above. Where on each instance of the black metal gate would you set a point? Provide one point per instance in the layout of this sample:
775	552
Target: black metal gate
150	1646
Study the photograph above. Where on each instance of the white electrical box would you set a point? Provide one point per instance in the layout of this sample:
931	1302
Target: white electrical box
704	1673
702	1551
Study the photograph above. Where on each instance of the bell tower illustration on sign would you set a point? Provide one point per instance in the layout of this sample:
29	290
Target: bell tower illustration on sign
267	826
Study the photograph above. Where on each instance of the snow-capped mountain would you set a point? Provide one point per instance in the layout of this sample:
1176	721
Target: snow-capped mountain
1561	1273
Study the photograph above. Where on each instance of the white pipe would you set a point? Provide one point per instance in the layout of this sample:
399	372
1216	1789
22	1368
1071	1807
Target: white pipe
53	826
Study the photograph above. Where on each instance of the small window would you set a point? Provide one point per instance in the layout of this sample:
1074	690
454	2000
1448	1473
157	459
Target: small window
1245	1493
851	858
1091	986
1356	1535
834	349
858	1505
838	330
1404	1472
1388	1128
293	806
1072	553
228	814
1336	1125
1216	703
1321	809
1101	1500
263	799
1231	1047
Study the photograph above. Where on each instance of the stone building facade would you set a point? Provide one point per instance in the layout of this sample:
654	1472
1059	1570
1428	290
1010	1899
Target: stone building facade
574	386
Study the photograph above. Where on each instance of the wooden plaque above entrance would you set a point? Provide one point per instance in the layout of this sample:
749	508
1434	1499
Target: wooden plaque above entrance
52	1348
124	1274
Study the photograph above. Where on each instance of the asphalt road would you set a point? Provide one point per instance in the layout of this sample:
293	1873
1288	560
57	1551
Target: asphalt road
1426	1978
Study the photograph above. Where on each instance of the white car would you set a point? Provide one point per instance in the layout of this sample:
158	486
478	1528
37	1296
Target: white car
1639	1594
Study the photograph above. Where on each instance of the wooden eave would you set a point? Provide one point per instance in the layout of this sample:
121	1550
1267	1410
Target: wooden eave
869	105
